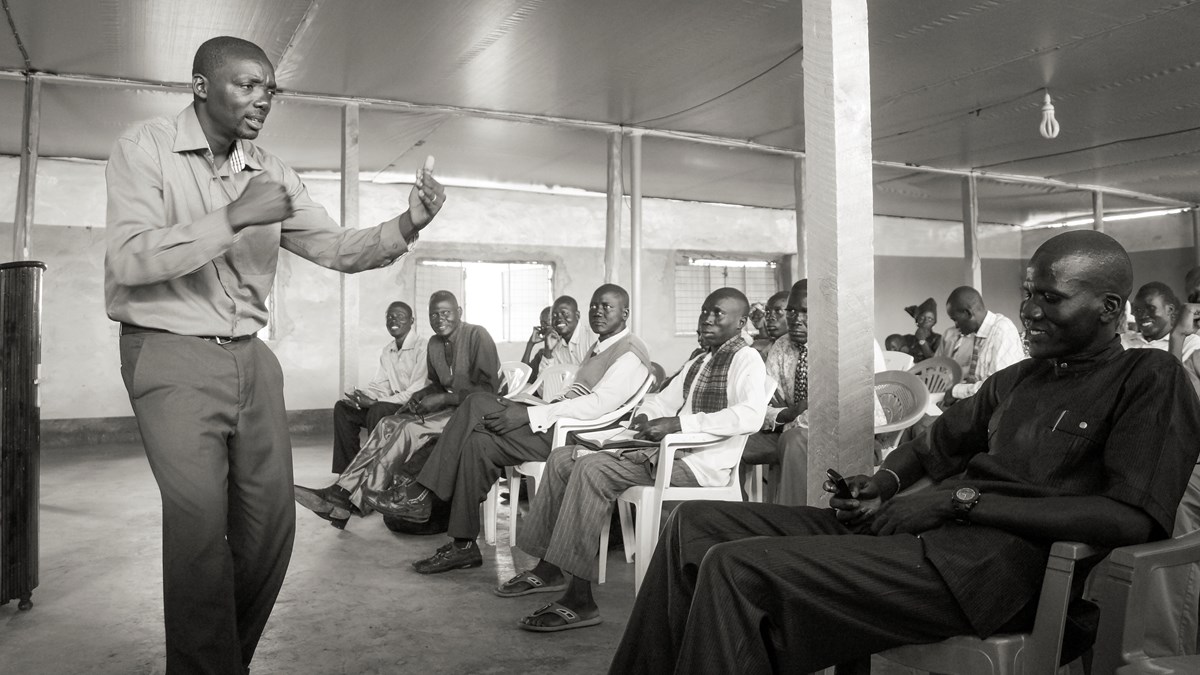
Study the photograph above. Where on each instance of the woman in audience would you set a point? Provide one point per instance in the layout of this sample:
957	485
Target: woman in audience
924	343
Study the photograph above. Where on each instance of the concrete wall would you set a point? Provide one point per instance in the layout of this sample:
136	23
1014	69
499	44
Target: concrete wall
914	260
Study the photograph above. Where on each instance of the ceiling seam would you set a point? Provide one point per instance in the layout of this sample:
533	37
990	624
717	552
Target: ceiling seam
1098	146
302	26
12	24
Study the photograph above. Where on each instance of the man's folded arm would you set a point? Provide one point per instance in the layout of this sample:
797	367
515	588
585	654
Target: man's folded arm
142	247
618	384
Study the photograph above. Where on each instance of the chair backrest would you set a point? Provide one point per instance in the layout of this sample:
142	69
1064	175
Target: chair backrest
897	360
938	373
556	379
513	376
903	397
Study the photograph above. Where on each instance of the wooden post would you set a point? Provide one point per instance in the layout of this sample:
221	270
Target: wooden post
1098	210
612	232
349	330
972	269
838	217
1196	236
27	180
635	230
800	267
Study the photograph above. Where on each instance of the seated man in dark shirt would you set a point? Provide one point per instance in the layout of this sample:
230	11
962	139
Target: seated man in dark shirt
1084	441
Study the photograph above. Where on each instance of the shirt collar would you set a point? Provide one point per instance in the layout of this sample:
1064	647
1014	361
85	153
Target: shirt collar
987	325
189	137
410	342
601	345
1086	361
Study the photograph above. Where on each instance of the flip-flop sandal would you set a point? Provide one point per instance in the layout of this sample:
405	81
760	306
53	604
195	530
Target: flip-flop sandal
571	619
526	583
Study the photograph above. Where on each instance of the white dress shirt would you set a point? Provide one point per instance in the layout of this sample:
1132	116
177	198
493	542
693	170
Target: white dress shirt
402	370
747	395
1134	340
574	351
1000	348
618	384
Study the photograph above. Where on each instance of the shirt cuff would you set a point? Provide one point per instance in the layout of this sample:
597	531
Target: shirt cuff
689	424
539	416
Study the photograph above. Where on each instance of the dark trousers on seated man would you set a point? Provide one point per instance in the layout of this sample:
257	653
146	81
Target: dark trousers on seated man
348	419
469	459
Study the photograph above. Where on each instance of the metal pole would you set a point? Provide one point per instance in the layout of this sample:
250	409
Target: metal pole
27	180
612	232
1098	210
348	283
972	270
635	229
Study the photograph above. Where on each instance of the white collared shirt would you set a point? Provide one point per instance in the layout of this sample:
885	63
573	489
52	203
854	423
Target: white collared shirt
402	370
1135	340
1000	348
618	384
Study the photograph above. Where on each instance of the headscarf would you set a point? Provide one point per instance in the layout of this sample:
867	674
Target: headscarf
928	306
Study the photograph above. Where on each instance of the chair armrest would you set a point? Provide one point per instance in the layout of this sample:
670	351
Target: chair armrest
565	425
1072	550
679	441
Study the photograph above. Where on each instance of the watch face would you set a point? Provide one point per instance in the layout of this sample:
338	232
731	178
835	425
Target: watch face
966	494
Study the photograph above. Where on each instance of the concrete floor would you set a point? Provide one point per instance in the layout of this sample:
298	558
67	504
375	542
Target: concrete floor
351	602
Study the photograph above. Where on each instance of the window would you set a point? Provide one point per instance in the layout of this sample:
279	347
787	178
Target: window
504	298
696	277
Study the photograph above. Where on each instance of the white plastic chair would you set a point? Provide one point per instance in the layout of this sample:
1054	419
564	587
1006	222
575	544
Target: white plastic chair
553	381
897	360
561	428
648	500
513	376
904	398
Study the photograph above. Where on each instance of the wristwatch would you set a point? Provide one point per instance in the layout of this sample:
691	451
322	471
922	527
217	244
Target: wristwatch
963	500
920	342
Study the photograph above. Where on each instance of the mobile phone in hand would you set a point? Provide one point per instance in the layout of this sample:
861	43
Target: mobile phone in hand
841	487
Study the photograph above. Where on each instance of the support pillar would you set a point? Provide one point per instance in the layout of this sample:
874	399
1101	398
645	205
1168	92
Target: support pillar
635	230
348	283
27	180
838	217
1098	210
972	267
612	231
800	266
1196	236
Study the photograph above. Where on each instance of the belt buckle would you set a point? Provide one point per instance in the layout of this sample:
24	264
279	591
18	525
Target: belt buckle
222	340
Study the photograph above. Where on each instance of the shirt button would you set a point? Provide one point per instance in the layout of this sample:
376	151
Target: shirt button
1062	365
1083	425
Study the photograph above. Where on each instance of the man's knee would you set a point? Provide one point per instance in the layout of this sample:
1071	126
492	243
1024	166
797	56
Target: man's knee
343	412
561	461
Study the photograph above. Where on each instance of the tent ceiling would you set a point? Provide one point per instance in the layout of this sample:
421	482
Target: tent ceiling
954	84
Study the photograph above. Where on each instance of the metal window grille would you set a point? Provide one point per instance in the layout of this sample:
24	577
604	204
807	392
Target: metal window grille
504	298
695	278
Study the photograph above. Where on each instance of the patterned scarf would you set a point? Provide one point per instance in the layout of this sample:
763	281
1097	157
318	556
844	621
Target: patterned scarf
711	393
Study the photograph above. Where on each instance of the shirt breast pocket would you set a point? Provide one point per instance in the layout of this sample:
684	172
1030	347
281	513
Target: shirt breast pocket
1071	437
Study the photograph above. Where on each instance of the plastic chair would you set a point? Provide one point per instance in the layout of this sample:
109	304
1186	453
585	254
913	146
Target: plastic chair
1121	602
939	373
648	500
513	376
1122	588
561	427
553	381
898	360
904	398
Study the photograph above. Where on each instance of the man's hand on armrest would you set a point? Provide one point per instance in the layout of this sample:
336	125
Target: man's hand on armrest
656	429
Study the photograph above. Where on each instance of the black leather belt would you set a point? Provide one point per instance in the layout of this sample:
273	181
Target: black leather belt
131	329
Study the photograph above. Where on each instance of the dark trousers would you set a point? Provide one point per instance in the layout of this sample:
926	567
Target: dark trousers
347	420
468	459
761	588
214	427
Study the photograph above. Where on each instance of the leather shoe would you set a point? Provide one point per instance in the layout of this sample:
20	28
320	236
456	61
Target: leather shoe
450	557
337	517
397	503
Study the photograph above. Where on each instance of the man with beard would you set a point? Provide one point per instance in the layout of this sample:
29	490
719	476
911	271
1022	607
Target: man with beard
1084	442
461	359
196	217
723	393
982	342
488	433
402	371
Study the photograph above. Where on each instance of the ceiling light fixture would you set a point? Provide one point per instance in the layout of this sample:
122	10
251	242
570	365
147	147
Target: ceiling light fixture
1049	125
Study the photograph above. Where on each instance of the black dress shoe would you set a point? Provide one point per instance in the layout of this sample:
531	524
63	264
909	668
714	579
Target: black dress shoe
450	557
313	499
337	517
398	504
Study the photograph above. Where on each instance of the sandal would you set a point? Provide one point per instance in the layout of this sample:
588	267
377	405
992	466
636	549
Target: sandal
570	619
527	583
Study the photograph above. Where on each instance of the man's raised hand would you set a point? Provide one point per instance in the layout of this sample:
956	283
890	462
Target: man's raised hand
426	198
262	202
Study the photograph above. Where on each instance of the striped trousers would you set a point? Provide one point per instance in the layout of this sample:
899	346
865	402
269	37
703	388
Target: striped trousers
574	502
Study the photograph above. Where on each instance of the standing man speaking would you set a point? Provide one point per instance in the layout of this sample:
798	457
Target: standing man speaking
196	217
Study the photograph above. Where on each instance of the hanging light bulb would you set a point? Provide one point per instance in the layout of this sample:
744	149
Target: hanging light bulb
1049	125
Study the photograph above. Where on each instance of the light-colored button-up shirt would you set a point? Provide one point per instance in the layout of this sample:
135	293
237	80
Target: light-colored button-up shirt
1134	340
1000	347
174	262
618	384
746	394
402	372
573	351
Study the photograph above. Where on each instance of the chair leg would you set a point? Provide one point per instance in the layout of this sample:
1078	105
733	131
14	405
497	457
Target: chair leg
514	497
647	539
756	494
489	514
602	563
628	534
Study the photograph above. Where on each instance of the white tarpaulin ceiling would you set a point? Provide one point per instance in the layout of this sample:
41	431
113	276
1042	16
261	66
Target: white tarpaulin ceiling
955	84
